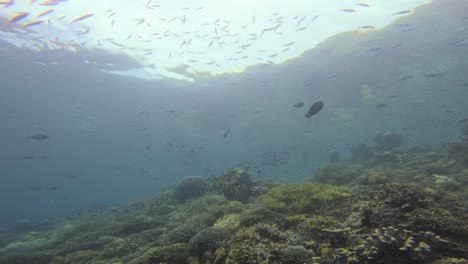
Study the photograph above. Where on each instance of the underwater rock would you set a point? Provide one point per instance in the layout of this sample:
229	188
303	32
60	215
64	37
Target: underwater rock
189	188
384	158
235	184
362	152
173	254
338	173
386	141
334	157
208	240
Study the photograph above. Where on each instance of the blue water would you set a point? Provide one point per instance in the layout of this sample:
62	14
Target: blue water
100	125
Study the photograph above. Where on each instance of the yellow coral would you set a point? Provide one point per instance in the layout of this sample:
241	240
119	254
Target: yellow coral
303	197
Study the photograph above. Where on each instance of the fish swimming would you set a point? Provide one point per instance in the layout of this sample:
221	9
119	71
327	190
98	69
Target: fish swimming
227	132
39	136
462	120
381	105
298	105
402	12
404	78
17	17
314	109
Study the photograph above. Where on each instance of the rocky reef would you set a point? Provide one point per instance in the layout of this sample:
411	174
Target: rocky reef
385	205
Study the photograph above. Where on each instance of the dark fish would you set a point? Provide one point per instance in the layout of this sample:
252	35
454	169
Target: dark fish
461	45
171	111
454	43
299	105
433	75
393	96
227	132
148	147
402	12
407	77
53	188
45	157
39	136
28	157
465	84
381	105
314	109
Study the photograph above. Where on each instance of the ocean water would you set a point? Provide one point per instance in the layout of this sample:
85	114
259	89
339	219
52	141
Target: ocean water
113	138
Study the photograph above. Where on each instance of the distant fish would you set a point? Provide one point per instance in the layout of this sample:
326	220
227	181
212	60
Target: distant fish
171	111
71	177
406	77
462	120
314	109
455	42
148	147
363	4
53	188
348	10
402	12
367	27
34	23
39	136
81	18
45	157
17	17
43	13
28	157
227	132
433	75
298	105
381	105
465	84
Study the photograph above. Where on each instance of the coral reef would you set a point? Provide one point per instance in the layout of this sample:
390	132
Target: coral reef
386	205
234	184
189	188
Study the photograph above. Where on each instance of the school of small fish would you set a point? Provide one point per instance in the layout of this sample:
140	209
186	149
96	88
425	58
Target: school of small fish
214	35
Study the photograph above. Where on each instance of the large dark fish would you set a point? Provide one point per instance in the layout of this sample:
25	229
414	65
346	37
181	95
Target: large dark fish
39	136
314	109
299	105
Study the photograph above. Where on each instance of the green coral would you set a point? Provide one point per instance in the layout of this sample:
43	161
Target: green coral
338	173
303	197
